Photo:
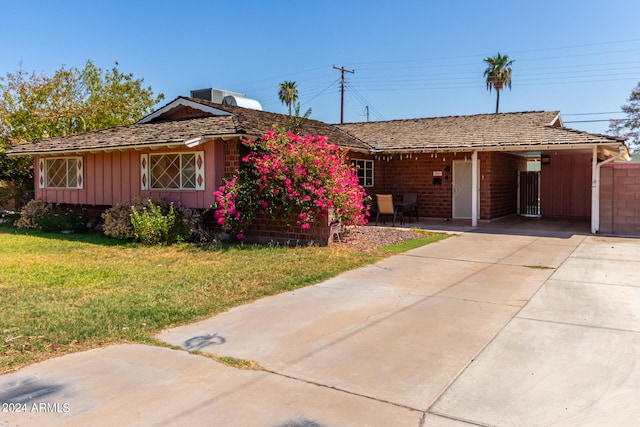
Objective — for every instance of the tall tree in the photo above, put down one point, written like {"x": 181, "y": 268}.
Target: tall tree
{"x": 498, "y": 75}
{"x": 288, "y": 94}
{"x": 629, "y": 127}
{"x": 36, "y": 106}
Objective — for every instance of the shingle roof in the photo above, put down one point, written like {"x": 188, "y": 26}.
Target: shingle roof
{"x": 147, "y": 134}
{"x": 509, "y": 131}
{"x": 256, "y": 122}
{"x": 241, "y": 121}
{"x": 483, "y": 131}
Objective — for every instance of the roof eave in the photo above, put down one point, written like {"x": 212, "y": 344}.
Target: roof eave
{"x": 95, "y": 149}
{"x": 191, "y": 143}
{"x": 499, "y": 148}
{"x": 195, "y": 142}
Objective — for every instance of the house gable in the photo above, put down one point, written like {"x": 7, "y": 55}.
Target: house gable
{"x": 181, "y": 109}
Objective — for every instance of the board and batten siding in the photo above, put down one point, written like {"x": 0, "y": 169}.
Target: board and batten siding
{"x": 565, "y": 185}
{"x": 111, "y": 177}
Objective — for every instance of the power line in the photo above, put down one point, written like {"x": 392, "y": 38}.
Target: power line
{"x": 365, "y": 102}
{"x": 593, "y": 114}
{"x": 480, "y": 55}
{"x": 603, "y": 63}
{"x": 321, "y": 92}
{"x": 364, "y": 113}
{"x": 594, "y": 121}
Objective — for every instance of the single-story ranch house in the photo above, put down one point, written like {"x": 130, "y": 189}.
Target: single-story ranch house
{"x": 479, "y": 167}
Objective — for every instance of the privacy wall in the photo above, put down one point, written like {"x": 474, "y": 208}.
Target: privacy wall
{"x": 620, "y": 199}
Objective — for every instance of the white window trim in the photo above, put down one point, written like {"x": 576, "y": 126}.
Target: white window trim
{"x": 43, "y": 172}
{"x": 366, "y": 161}
{"x": 145, "y": 171}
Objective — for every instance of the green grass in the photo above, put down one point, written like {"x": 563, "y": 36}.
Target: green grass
{"x": 429, "y": 237}
{"x": 66, "y": 293}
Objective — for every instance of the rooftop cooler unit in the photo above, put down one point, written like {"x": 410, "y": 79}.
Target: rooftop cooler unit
{"x": 226, "y": 97}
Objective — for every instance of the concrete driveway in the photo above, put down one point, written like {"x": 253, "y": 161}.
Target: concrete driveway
{"x": 479, "y": 329}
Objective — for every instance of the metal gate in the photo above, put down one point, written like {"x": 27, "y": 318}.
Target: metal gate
{"x": 529, "y": 193}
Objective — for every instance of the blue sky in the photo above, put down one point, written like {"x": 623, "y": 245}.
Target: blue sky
{"x": 411, "y": 58}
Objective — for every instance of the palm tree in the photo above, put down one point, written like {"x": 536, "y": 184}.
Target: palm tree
{"x": 288, "y": 94}
{"x": 498, "y": 74}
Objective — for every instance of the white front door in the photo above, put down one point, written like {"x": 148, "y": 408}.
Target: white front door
{"x": 462, "y": 184}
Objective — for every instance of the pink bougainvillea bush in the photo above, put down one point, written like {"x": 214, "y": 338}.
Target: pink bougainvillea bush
{"x": 285, "y": 174}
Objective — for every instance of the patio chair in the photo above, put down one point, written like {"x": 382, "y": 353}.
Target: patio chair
{"x": 410, "y": 204}
{"x": 386, "y": 207}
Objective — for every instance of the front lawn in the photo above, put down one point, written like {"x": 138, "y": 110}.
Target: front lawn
{"x": 65, "y": 293}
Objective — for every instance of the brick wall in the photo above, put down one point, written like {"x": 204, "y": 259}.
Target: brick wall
{"x": 415, "y": 174}
{"x": 265, "y": 230}
{"x": 231, "y": 159}
{"x": 620, "y": 199}
{"x": 499, "y": 184}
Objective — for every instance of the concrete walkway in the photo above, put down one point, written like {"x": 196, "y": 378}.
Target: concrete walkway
{"x": 485, "y": 329}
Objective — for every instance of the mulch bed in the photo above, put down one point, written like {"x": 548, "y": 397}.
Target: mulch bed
{"x": 371, "y": 237}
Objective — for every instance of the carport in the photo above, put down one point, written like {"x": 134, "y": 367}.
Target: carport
{"x": 486, "y": 167}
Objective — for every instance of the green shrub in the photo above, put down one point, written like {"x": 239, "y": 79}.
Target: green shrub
{"x": 52, "y": 222}
{"x": 286, "y": 175}
{"x": 152, "y": 218}
{"x": 31, "y": 213}
{"x": 152, "y": 226}
{"x": 117, "y": 221}
{"x": 8, "y": 217}
{"x": 63, "y": 220}
{"x": 39, "y": 215}
{"x": 194, "y": 229}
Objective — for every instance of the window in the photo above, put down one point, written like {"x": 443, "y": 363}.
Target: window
{"x": 364, "y": 169}
{"x": 61, "y": 172}
{"x": 175, "y": 171}
{"x": 533, "y": 165}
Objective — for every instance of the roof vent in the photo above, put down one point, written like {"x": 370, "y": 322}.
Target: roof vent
{"x": 226, "y": 97}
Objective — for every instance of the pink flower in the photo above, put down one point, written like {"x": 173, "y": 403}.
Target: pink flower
{"x": 276, "y": 167}
{"x": 240, "y": 236}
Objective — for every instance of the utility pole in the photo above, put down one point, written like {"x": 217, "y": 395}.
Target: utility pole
{"x": 342, "y": 70}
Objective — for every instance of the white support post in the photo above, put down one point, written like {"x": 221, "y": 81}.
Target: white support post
{"x": 475, "y": 185}
{"x": 595, "y": 196}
